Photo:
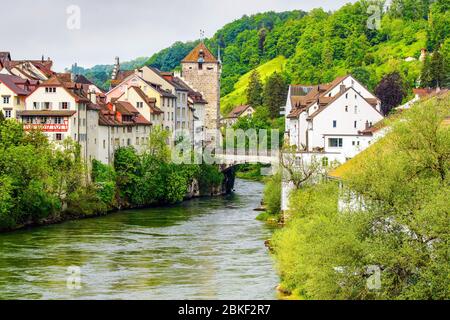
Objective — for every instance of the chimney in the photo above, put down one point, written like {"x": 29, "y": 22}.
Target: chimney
{"x": 367, "y": 124}
{"x": 72, "y": 76}
{"x": 92, "y": 96}
{"x": 342, "y": 88}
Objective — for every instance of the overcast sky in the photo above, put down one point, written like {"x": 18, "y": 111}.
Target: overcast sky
{"x": 128, "y": 29}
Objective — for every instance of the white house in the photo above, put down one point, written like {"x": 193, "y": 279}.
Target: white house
{"x": 330, "y": 122}
{"x": 61, "y": 109}
{"x": 331, "y": 117}
{"x": 236, "y": 113}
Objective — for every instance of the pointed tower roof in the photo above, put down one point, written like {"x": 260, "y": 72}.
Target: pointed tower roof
{"x": 199, "y": 52}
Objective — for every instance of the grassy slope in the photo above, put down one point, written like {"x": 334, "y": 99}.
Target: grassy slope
{"x": 237, "y": 97}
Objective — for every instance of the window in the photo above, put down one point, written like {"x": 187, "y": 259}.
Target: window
{"x": 140, "y": 104}
{"x": 104, "y": 144}
{"x": 8, "y": 114}
{"x": 355, "y": 124}
{"x": 6, "y": 99}
{"x": 47, "y": 105}
{"x": 346, "y": 108}
{"x": 128, "y": 142}
{"x": 137, "y": 141}
{"x": 353, "y": 143}
{"x": 36, "y": 105}
{"x": 334, "y": 123}
{"x": 335, "y": 142}
{"x": 58, "y": 137}
{"x": 58, "y": 120}
{"x": 325, "y": 162}
{"x": 17, "y": 100}
{"x": 50, "y": 90}
{"x": 346, "y": 96}
{"x": 64, "y": 105}
{"x": 129, "y": 129}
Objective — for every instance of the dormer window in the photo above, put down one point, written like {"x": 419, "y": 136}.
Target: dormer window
{"x": 50, "y": 90}
{"x": 201, "y": 59}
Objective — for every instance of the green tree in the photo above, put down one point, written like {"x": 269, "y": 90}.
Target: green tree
{"x": 275, "y": 94}
{"x": 401, "y": 224}
{"x": 255, "y": 90}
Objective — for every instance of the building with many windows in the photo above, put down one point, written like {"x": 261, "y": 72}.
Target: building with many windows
{"x": 13, "y": 91}
{"x": 331, "y": 117}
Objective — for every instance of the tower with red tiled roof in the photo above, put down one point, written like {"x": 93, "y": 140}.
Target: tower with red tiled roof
{"x": 201, "y": 70}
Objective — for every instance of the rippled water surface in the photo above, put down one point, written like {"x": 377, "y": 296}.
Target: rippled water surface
{"x": 201, "y": 249}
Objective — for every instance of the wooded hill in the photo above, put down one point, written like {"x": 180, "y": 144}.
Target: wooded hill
{"x": 317, "y": 46}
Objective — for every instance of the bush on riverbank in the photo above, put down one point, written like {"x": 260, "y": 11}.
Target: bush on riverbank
{"x": 41, "y": 182}
{"x": 38, "y": 181}
{"x": 402, "y": 229}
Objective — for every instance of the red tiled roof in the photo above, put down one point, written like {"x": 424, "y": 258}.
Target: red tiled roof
{"x": 111, "y": 114}
{"x": 237, "y": 111}
{"x": 151, "y": 102}
{"x": 200, "y": 51}
{"x": 73, "y": 88}
{"x": 19, "y": 86}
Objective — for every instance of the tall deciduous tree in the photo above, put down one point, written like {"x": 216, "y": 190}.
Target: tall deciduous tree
{"x": 275, "y": 94}
{"x": 255, "y": 90}
{"x": 390, "y": 91}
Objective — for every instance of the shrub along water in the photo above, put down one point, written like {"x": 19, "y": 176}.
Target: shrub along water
{"x": 41, "y": 183}
{"x": 402, "y": 229}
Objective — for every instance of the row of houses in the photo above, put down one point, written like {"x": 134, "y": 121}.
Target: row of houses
{"x": 67, "y": 105}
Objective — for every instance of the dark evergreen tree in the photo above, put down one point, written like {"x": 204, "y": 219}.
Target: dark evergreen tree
{"x": 426, "y": 77}
{"x": 438, "y": 70}
{"x": 255, "y": 90}
{"x": 435, "y": 71}
{"x": 390, "y": 91}
{"x": 275, "y": 94}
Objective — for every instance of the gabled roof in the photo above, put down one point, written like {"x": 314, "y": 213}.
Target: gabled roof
{"x": 72, "y": 88}
{"x": 110, "y": 117}
{"x": 200, "y": 51}
{"x": 18, "y": 85}
{"x": 238, "y": 111}
{"x": 151, "y": 102}
{"x": 303, "y": 97}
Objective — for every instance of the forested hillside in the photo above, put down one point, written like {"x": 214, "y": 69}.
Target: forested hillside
{"x": 319, "y": 45}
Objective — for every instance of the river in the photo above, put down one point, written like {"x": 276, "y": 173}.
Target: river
{"x": 209, "y": 248}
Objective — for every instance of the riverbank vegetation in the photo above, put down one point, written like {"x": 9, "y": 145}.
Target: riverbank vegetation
{"x": 43, "y": 183}
{"x": 384, "y": 234}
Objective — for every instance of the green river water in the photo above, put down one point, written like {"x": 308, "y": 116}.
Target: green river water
{"x": 210, "y": 248}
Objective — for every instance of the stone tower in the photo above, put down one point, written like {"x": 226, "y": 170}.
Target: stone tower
{"x": 201, "y": 70}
